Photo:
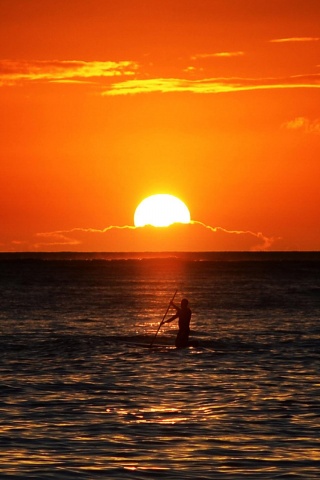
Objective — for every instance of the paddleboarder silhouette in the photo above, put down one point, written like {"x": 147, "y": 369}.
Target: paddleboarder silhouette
{"x": 184, "y": 315}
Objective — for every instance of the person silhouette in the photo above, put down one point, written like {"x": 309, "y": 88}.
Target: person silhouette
{"x": 184, "y": 315}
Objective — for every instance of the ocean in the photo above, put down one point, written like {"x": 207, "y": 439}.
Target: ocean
{"x": 83, "y": 396}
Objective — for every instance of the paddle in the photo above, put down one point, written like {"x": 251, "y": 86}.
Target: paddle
{"x": 164, "y": 316}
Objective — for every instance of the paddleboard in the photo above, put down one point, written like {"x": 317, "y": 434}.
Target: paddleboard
{"x": 166, "y": 347}
{"x": 154, "y": 346}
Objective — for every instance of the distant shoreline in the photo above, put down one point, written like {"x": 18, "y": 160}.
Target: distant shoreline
{"x": 186, "y": 256}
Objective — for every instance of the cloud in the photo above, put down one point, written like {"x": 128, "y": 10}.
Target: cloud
{"x": 115, "y": 78}
{"x": 65, "y": 237}
{"x": 211, "y": 85}
{"x": 303, "y": 124}
{"x": 177, "y": 237}
{"x": 264, "y": 242}
{"x": 56, "y": 239}
{"x": 13, "y": 72}
{"x": 295, "y": 39}
{"x": 217, "y": 54}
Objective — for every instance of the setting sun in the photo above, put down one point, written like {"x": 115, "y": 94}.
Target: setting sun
{"x": 161, "y": 210}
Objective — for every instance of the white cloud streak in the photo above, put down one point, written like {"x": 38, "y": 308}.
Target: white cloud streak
{"x": 115, "y": 78}
{"x": 211, "y": 85}
{"x": 73, "y": 71}
{"x": 62, "y": 237}
{"x": 266, "y": 242}
{"x": 295, "y": 40}
{"x": 303, "y": 124}
{"x": 200, "y": 56}
{"x": 68, "y": 237}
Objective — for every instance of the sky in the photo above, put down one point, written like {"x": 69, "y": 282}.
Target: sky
{"x": 104, "y": 103}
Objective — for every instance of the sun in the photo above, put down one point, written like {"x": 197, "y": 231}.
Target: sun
{"x": 161, "y": 210}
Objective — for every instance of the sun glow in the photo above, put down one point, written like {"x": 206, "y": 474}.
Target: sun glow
{"x": 161, "y": 210}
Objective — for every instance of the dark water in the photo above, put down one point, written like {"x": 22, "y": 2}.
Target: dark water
{"x": 81, "y": 397}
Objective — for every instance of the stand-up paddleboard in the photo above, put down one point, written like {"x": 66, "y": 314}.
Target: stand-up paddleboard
{"x": 154, "y": 346}
{"x": 193, "y": 345}
{"x": 158, "y": 348}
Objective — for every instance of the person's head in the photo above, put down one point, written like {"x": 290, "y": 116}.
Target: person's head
{"x": 184, "y": 303}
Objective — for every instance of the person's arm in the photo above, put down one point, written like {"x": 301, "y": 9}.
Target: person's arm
{"x": 174, "y": 306}
{"x": 171, "y": 318}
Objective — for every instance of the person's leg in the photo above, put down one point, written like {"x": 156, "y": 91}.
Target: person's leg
{"x": 182, "y": 340}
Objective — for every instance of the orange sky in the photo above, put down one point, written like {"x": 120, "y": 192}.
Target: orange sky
{"x": 104, "y": 103}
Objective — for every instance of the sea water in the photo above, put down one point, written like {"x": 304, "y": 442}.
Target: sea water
{"x": 83, "y": 396}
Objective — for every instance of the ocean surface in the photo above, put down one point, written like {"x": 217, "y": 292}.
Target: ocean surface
{"x": 82, "y": 395}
